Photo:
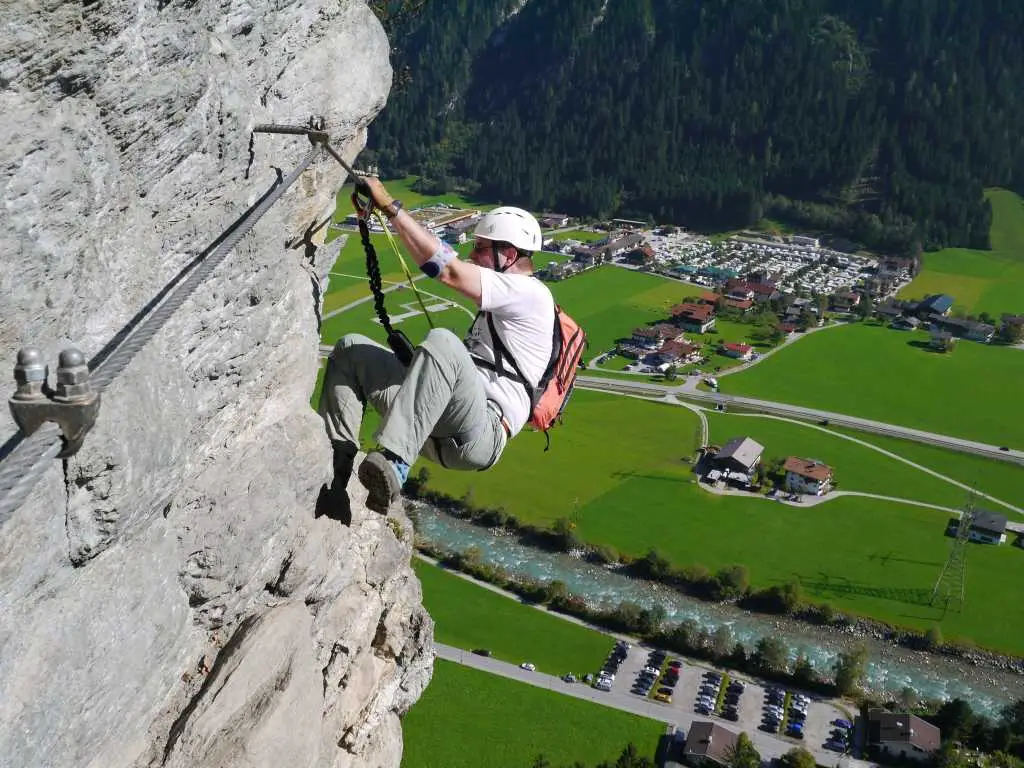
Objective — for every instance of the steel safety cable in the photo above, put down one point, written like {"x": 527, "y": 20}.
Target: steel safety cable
{"x": 27, "y": 459}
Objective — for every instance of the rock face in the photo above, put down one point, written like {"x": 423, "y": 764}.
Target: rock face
{"x": 167, "y": 596}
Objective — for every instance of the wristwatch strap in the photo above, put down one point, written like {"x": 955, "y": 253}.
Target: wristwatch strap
{"x": 393, "y": 208}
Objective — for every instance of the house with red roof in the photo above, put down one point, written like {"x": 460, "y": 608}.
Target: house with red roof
{"x": 739, "y": 351}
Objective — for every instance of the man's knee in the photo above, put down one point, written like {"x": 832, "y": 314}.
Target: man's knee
{"x": 350, "y": 340}
{"x": 441, "y": 341}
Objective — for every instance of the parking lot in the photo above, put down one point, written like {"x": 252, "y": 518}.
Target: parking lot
{"x": 751, "y": 705}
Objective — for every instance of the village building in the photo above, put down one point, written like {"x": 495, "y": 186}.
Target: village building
{"x": 807, "y": 476}
{"x": 739, "y": 351}
{"x": 987, "y": 527}
{"x": 741, "y": 454}
{"x": 902, "y": 735}
{"x": 696, "y": 318}
{"x": 709, "y": 744}
{"x": 935, "y": 304}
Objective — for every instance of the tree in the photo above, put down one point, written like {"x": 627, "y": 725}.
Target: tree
{"x": 771, "y": 654}
{"x": 743, "y": 755}
{"x": 1012, "y": 716}
{"x": 732, "y": 581}
{"x": 933, "y": 637}
{"x": 798, "y": 757}
{"x": 955, "y": 719}
{"x": 908, "y": 697}
{"x": 563, "y": 531}
{"x": 1011, "y": 333}
{"x": 671, "y": 373}
{"x": 850, "y": 668}
{"x": 803, "y": 672}
{"x": 540, "y": 762}
{"x": 721, "y": 641}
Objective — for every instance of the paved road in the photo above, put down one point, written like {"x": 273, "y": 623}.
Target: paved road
{"x": 689, "y": 391}
{"x": 619, "y": 698}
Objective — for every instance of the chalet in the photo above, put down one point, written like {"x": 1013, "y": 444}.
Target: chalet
{"x": 673, "y": 352}
{"x": 709, "y": 744}
{"x": 743, "y": 305}
{"x": 935, "y": 304}
{"x": 739, "y": 291}
{"x": 844, "y": 301}
{"x": 963, "y": 329}
{"x": 696, "y": 318}
{"x": 902, "y": 735}
{"x": 741, "y": 454}
{"x": 1014, "y": 322}
{"x": 641, "y": 257}
{"x": 668, "y": 332}
{"x": 987, "y": 527}
{"x": 888, "y": 311}
{"x": 905, "y": 324}
{"x": 646, "y": 338}
{"x": 807, "y": 476}
{"x": 739, "y": 351}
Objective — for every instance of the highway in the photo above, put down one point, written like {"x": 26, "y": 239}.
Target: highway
{"x": 689, "y": 391}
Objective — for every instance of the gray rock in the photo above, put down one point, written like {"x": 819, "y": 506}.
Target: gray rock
{"x": 167, "y": 596}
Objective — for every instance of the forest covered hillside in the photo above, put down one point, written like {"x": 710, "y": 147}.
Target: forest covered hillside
{"x": 879, "y": 119}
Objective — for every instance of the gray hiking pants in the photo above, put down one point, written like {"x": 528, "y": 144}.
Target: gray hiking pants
{"x": 436, "y": 407}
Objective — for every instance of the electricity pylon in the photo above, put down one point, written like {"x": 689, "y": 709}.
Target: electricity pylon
{"x": 950, "y": 587}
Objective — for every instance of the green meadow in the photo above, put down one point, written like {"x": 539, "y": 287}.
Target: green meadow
{"x": 856, "y": 467}
{"x": 877, "y": 373}
{"x": 468, "y": 616}
{"x": 618, "y": 470}
{"x": 981, "y": 281}
{"x": 467, "y": 718}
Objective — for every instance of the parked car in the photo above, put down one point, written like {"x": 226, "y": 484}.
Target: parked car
{"x": 529, "y": 667}
{"x": 569, "y": 677}
{"x": 842, "y": 724}
{"x": 482, "y": 652}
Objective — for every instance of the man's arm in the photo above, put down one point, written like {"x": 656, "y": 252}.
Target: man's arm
{"x": 422, "y": 244}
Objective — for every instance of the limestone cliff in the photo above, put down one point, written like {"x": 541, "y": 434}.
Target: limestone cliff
{"x": 167, "y": 596}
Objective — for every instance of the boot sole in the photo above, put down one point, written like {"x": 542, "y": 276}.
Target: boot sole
{"x": 378, "y": 478}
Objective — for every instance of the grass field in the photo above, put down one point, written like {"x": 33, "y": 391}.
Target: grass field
{"x": 469, "y": 616}
{"x": 467, "y": 718}
{"x": 617, "y": 470}
{"x": 1001, "y": 479}
{"x": 877, "y": 373}
{"x": 857, "y": 468}
{"x": 981, "y": 281}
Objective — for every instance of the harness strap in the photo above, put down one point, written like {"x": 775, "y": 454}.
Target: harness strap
{"x": 500, "y": 352}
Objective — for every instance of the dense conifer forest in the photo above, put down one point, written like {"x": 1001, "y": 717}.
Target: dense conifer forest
{"x": 879, "y": 119}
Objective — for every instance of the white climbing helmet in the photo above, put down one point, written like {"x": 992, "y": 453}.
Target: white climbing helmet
{"x": 511, "y": 225}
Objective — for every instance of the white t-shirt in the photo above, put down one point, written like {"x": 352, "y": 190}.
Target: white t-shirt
{"x": 524, "y": 315}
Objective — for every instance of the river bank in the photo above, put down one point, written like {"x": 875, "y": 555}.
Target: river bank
{"x": 987, "y": 680}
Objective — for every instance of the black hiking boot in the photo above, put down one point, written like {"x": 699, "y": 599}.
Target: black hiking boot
{"x": 333, "y": 501}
